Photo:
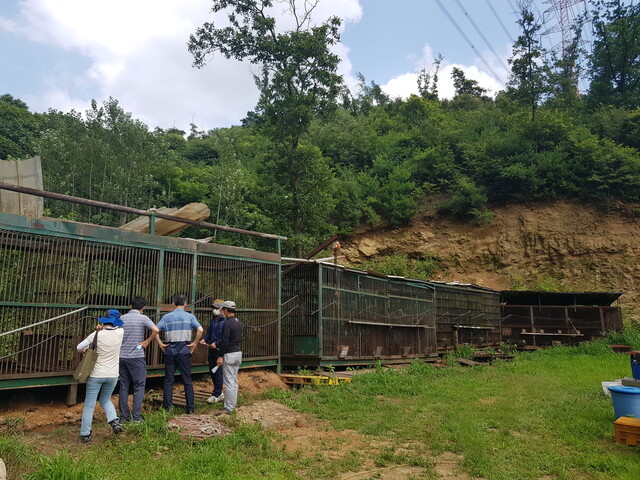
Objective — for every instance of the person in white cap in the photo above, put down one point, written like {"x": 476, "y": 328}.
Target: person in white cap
{"x": 211, "y": 340}
{"x": 230, "y": 356}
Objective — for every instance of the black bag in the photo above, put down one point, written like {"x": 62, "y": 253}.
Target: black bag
{"x": 85, "y": 367}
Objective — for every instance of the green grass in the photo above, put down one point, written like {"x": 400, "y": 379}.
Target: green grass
{"x": 542, "y": 415}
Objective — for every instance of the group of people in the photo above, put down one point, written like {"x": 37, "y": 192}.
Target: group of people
{"x": 120, "y": 345}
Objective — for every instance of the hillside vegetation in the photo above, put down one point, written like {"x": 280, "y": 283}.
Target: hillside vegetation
{"x": 314, "y": 158}
{"x": 550, "y": 246}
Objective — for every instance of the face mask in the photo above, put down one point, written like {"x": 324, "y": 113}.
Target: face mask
{"x": 216, "y": 311}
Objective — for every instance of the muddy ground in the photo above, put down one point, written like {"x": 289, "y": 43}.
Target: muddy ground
{"x": 46, "y": 423}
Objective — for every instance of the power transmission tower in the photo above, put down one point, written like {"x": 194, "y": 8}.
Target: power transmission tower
{"x": 566, "y": 21}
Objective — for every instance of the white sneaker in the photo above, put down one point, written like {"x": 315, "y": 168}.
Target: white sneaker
{"x": 220, "y": 398}
{"x": 212, "y": 399}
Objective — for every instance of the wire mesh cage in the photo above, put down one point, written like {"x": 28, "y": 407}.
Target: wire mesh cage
{"x": 57, "y": 278}
{"x": 336, "y": 315}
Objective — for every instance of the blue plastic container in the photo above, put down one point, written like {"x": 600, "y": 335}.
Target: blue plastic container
{"x": 635, "y": 366}
{"x": 626, "y": 401}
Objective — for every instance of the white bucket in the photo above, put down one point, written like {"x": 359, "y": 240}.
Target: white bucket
{"x": 606, "y": 385}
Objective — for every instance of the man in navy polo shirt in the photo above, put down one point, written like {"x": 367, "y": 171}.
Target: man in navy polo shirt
{"x": 230, "y": 356}
{"x": 176, "y": 327}
{"x": 133, "y": 364}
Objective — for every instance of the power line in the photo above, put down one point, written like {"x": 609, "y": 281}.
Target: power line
{"x": 461, "y": 32}
{"x": 466, "y": 14}
{"x": 495, "y": 14}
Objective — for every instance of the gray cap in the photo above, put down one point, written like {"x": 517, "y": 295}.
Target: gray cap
{"x": 229, "y": 304}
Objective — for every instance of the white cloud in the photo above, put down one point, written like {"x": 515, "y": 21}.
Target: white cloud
{"x": 402, "y": 86}
{"x": 137, "y": 54}
{"x": 406, "y": 84}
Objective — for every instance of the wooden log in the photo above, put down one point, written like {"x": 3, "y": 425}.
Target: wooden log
{"x": 191, "y": 211}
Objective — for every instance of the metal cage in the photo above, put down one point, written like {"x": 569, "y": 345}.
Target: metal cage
{"x": 57, "y": 277}
{"x": 336, "y": 316}
{"x": 466, "y": 315}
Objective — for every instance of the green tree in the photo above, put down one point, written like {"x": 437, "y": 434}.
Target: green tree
{"x": 106, "y": 156}
{"x": 304, "y": 217}
{"x": 19, "y": 128}
{"x": 564, "y": 73}
{"x": 527, "y": 82}
{"x": 615, "y": 58}
{"x": 428, "y": 81}
{"x": 468, "y": 202}
{"x": 366, "y": 97}
{"x": 298, "y": 81}
{"x": 464, "y": 85}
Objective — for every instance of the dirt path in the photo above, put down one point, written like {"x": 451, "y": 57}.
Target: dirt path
{"x": 46, "y": 424}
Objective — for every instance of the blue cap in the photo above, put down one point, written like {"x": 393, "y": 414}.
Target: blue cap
{"x": 113, "y": 317}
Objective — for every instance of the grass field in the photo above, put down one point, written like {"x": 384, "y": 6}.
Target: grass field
{"x": 542, "y": 415}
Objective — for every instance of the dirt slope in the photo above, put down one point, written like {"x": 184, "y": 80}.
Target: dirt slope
{"x": 562, "y": 246}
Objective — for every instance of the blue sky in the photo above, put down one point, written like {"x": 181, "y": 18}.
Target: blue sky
{"x": 61, "y": 54}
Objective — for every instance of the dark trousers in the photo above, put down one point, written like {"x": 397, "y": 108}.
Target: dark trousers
{"x": 217, "y": 378}
{"x": 183, "y": 364}
{"x": 133, "y": 373}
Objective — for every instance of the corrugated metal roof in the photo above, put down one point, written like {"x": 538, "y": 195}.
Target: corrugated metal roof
{"x": 512, "y": 297}
{"x": 289, "y": 261}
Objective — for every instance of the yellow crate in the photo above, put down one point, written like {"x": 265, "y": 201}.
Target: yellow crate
{"x": 313, "y": 380}
{"x": 628, "y": 430}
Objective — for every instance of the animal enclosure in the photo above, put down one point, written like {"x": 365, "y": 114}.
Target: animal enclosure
{"x": 336, "y": 316}
{"x": 57, "y": 277}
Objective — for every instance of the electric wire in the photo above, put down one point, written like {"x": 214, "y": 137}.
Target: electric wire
{"x": 461, "y": 32}
{"x": 495, "y": 14}
{"x": 484, "y": 38}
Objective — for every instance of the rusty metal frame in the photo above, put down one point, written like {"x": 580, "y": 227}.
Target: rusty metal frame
{"x": 49, "y": 267}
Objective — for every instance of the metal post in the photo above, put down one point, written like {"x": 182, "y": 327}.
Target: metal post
{"x": 279, "y": 313}
{"x": 533, "y": 327}
{"x": 320, "y": 310}
{"x": 152, "y": 221}
{"x": 119, "y": 208}
{"x": 194, "y": 278}
{"x": 160, "y": 288}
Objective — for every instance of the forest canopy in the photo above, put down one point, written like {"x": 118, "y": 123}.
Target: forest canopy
{"x": 357, "y": 158}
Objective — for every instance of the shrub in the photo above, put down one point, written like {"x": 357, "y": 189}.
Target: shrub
{"x": 401, "y": 265}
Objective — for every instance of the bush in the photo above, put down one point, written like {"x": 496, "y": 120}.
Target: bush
{"x": 468, "y": 202}
{"x": 401, "y": 265}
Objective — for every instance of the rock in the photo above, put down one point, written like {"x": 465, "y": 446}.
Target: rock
{"x": 3, "y": 470}
{"x": 369, "y": 247}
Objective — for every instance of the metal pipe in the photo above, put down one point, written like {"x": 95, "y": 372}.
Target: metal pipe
{"x": 135, "y": 211}
{"x": 42, "y": 322}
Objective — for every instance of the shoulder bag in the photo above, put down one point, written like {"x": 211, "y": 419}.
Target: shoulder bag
{"x": 85, "y": 367}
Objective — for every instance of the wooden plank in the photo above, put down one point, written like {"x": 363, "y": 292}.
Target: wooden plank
{"x": 313, "y": 380}
{"x": 467, "y": 363}
{"x": 630, "y": 382}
